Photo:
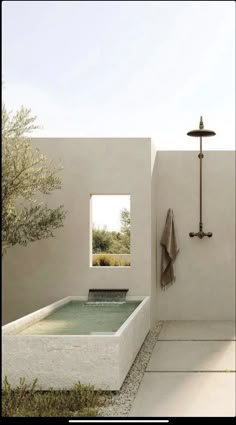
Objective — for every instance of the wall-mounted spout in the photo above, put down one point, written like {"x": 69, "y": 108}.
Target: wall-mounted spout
{"x": 201, "y": 132}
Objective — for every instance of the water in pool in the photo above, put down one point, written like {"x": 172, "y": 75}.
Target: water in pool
{"x": 82, "y": 318}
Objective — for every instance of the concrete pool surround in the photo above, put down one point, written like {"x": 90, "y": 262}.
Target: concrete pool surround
{"x": 59, "y": 361}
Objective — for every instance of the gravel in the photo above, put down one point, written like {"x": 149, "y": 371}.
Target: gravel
{"x": 120, "y": 402}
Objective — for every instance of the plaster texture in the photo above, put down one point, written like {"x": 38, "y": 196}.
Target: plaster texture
{"x": 205, "y": 268}
{"x": 62, "y": 265}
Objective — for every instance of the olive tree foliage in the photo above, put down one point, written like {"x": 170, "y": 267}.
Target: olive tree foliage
{"x": 25, "y": 174}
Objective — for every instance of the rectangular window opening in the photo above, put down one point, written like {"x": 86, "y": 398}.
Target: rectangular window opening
{"x": 110, "y": 225}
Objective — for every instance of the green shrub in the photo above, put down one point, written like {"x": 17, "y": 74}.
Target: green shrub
{"x": 125, "y": 263}
{"x": 29, "y": 400}
{"x": 106, "y": 260}
{"x": 102, "y": 240}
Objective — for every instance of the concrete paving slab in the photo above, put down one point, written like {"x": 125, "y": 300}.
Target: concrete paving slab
{"x": 198, "y": 330}
{"x": 193, "y": 356}
{"x": 188, "y": 394}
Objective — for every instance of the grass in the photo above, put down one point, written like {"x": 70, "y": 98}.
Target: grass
{"x": 28, "y": 400}
{"x": 104, "y": 260}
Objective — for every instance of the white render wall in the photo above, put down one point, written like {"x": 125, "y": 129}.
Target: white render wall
{"x": 205, "y": 269}
{"x": 48, "y": 270}
{"x": 154, "y": 234}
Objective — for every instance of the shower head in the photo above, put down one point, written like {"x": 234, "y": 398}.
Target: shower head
{"x": 201, "y": 131}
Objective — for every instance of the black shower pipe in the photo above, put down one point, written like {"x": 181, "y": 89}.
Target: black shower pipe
{"x": 201, "y": 132}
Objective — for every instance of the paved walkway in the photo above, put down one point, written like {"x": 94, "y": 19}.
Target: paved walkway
{"x": 191, "y": 371}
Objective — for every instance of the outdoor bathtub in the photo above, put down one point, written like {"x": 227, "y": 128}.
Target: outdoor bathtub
{"x": 101, "y": 359}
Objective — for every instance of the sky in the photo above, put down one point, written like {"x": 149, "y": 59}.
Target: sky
{"x": 106, "y": 210}
{"x": 123, "y": 69}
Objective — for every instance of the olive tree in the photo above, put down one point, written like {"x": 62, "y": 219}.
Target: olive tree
{"x": 25, "y": 173}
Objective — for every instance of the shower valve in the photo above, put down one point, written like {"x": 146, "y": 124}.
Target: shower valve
{"x": 200, "y": 234}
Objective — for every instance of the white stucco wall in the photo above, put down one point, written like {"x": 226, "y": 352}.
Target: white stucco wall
{"x": 154, "y": 168}
{"x": 48, "y": 270}
{"x": 205, "y": 269}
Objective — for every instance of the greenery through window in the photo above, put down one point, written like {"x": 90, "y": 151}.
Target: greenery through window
{"x": 110, "y": 230}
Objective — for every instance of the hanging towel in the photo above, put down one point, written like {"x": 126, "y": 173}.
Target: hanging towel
{"x": 169, "y": 251}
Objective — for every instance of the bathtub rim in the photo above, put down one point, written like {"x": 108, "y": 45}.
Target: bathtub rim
{"x": 13, "y": 328}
